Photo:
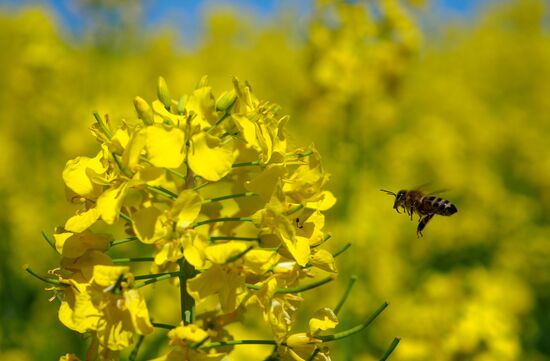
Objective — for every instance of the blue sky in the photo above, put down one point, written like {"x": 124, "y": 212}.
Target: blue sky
{"x": 186, "y": 15}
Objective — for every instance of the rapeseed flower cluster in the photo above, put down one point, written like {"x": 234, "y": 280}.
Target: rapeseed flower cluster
{"x": 230, "y": 213}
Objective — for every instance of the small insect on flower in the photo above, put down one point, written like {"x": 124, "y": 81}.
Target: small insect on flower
{"x": 425, "y": 205}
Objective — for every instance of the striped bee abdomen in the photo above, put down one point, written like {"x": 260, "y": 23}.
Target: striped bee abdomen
{"x": 436, "y": 205}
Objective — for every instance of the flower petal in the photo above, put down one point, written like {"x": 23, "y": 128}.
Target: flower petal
{"x": 323, "y": 319}
{"x": 76, "y": 176}
{"x": 82, "y": 221}
{"x": 209, "y": 158}
{"x": 206, "y": 283}
{"x": 147, "y": 224}
{"x": 186, "y": 208}
{"x": 105, "y": 276}
{"x": 165, "y": 146}
{"x": 324, "y": 260}
{"x": 221, "y": 253}
{"x": 110, "y": 202}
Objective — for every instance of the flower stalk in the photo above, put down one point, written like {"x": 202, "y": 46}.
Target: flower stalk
{"x": 187, "y": 302}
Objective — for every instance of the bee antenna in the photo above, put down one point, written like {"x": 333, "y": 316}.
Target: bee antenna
{"x": 390, "y": 193}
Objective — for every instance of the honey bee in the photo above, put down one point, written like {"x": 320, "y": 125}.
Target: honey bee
{"x": 425, "y": 205}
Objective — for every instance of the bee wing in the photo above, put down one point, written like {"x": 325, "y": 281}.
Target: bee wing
{"x": 423, "y": 186}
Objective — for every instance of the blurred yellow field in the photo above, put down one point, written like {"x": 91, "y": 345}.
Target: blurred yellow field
{"x": 387, "y": 94}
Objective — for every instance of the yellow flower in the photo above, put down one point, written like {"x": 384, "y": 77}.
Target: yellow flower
{"x": 279, "y": 314}
{"x": 189, "y": 244}
{"x": 273, "y": 221}
{"x": 324, "y": 260}
{"x": 227, "y": 213}
{"x": 259, "y": 261}
{"x": 322, "y": 320}
{"x": 106, "y": 306}
{"x": 78, "y": 175}
{"x": 182, "y": 338}
{"x": 186, "y": 209}
{"x": 259, "y": 126}
{"x": 227, "y": 284}
{"x": 305, "y": 185}
{"x": 202, "y": 104}
{"x": 73, "y": 245}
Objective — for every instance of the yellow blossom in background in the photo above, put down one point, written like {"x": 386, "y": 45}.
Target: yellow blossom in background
{"x": 393, "y": 94}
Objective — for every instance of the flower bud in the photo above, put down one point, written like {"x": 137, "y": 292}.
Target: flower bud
{"x": 182, "y": 103}
{"x": 163, "y": 93}
{"x": 203, "y": 82}
{"x": 300, "y": 339}
{"x": 226, "y": 100}
{"x": 144, "y": 110}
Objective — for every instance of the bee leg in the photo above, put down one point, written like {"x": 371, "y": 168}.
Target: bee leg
{"x": 411, "y": 212}
{"x": 422, "y": 224}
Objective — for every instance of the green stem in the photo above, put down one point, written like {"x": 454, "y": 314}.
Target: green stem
{"x": 345, "y": 295}
{"x": 176, "y": 173}
{"x": 230, "y": 196}
{"x": 327, "y": 237}
{"x": 238, "y": 342}
{"x": 126, "y": 217}
{"x": 44, "y": 279}
{"x": 294, "y": 210}
{"x": 197, "y": 188}
{"x": 239, "y": 255}
{"x": 187, "y": 271}
{"x": 341, "y": 250}
{"x": 157, "y": 278}
{"x": 200, "y": 343}
{"x": 313, "y": 354}
{"x": 326, "y": 338}
{"x": 121, "y": 167}
{"x": 390, "y": 349}
{"x": 219, "y": 121}
{"x": 133, "y": 259}
{"x": 296, "y": 289}
{"x": 163, "y": 192}
{"x": 225, "y": 219}
{"x": 355, "y": 329}
{"x": 156, "y": 275}
{"x": 163, "y": 325}
{"x": 102, "y": 125}
{"x": 246, "y": 164}
{"x": 50, "y": 241}
{"x": 124, "y": 240}
{"x": 133, "y": 354}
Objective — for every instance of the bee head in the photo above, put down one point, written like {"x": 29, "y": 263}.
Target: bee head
{"x": 399, "y": 198}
